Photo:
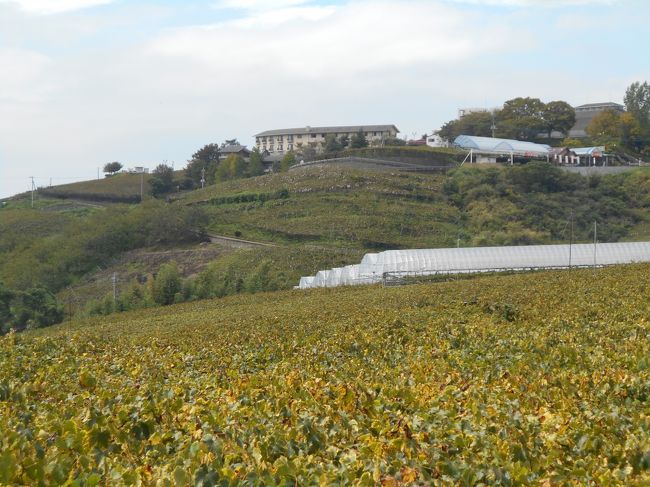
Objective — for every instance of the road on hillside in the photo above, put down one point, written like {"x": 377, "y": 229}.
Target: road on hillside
{"x": 237, "y": 243}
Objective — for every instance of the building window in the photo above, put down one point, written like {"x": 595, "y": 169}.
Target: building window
{"x": 375, "y": 134}
{"x": 313, "y": 136}
{"x": 290, "y": 147}
{"x": 299, "y": 136}
{"x": 280, "y": 147}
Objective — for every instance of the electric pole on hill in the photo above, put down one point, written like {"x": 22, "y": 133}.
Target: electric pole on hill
{"x": 202, "y": 177}
{"x": 32, "y": 178}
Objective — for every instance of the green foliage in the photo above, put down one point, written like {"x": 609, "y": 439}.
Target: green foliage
{"x": 521, "y": 118}
{"x": 513, "y": 380}
{"x": 287, "y": 161}
{"x": 83, "y": 243}
{"x": 34, "y": 308}
{"x": 558, "y": 116}
{"x": 119, "y": 188}
{"x": 473, "y": 123}
{"x": 255, "y": 164}
{"x": 358, "y": 140}
{"x": 332, "y": 144}
{"x": 637, "y": 102}
{"x": 206, "y": 158}
{"x": 232, "y": 167}
{"x": 166, "y": 284}
{"x": 112, "y": 167}
{"x": 162, "y": 181}
{"x": 248, "y": 197}
{"x": 394, "y": 142}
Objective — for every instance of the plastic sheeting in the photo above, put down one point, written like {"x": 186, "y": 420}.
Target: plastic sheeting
{"x": 373, "y": 266}
{"x": 501, "y": 146}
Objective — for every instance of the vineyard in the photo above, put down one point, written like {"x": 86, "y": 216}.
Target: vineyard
{"x": 539, "y": 379}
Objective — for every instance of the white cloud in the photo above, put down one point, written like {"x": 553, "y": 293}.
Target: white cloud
{"x": 256, "y": 5}
{"x": 534, "y": 3}
{"x": 310, "y": 42}
{"x": 54, "y": 6}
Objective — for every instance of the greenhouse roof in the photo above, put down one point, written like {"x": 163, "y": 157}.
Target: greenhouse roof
{"x": 501, "y": 146}
{"x": 373, "y": 267}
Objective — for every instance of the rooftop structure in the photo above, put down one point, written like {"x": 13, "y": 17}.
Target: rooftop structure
{"x": 297, "y": 139}
{"x": 376, "y": 267}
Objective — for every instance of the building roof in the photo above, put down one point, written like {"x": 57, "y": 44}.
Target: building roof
{"x": 233, "y": 149}
{"x": 328, "y": 130}
{"x": 501, "y": 146}
{"x": 600, "y": 106}
{"x": 589, "y": 151}
{"x": 477, "y": 259}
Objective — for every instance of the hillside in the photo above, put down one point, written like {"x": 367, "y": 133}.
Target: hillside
{"x": 317, "y": 217}
{"x": 521, "y": 380}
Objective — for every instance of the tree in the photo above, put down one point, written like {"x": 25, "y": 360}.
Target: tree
{"x": 521, "y": 118}
{"x": 558, "y": 116}
{"x": 35, "y": 308}
{"x": 288, "y": 160}
{"x": 359, "y": 140}
{"x": 162, "y": 180}
{"x": 112, "y": 167}
{"x": 394, "y": 142}
{"x": 256, "y": 163}
{"x": 332, "y": 144}
{"x": 6, "y": 295}
{"x": 207, "y": 157}
{"x": 232, "y": 167}
{"x": 474, "y": 123}
{"x": 166, "y": 284}
{"x": 604, "y": 128}
{"x": 637, "y": 102}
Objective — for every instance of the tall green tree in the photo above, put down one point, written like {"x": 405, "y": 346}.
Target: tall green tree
{"x": 359, "y": 140}
{"x": 166, "y": 284}
{"x": 637, "y": 102}
{"x": 521, "y": 118}
{"x": 558, "y": 116}
{"x": 288, "y": 160}
{"x": 474, "y": 123}
{"x": 256, "y": 163}
{"x": 207, "y": 157}
{"x": 162, "y": 180}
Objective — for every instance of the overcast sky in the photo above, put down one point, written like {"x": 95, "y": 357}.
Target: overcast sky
{"x": 85, "y": 82}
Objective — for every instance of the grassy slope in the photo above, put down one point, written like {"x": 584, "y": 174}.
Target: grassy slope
{"x": 333, "y": 215}
{"x": 120, "y": 185}
{"x": 521, "y": 379}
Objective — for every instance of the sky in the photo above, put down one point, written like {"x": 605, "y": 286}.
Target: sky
{"x": 86, "y": 82}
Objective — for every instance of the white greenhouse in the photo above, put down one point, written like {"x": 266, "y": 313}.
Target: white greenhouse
{"x": 377, "y": 267}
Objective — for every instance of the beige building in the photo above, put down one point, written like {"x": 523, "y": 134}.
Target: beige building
{"x": 296, "y": 139}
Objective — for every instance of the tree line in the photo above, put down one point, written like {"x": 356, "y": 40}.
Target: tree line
{"x": 530, "y": 119}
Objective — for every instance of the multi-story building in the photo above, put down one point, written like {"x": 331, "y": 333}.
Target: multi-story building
{"x": 586, "y": 113}
{"x": 296, "y": 139}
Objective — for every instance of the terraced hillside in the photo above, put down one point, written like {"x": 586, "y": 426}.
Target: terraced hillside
{"x": 317, "y": 217}
{"x": 537, "y": 379}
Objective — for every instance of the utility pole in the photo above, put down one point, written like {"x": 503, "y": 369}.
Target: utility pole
{"x": 494, "y": 126}
{"x": 114, "y": 287}
{"x": 141, "y": 186}
{"x": 202, "y": 177}
{"x": 571, "y": 240}
{"x": 32, "y": 178}
{"x": 595, "y": 242}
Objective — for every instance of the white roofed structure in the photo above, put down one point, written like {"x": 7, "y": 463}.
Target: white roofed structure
{"x": 421, "y": 262}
